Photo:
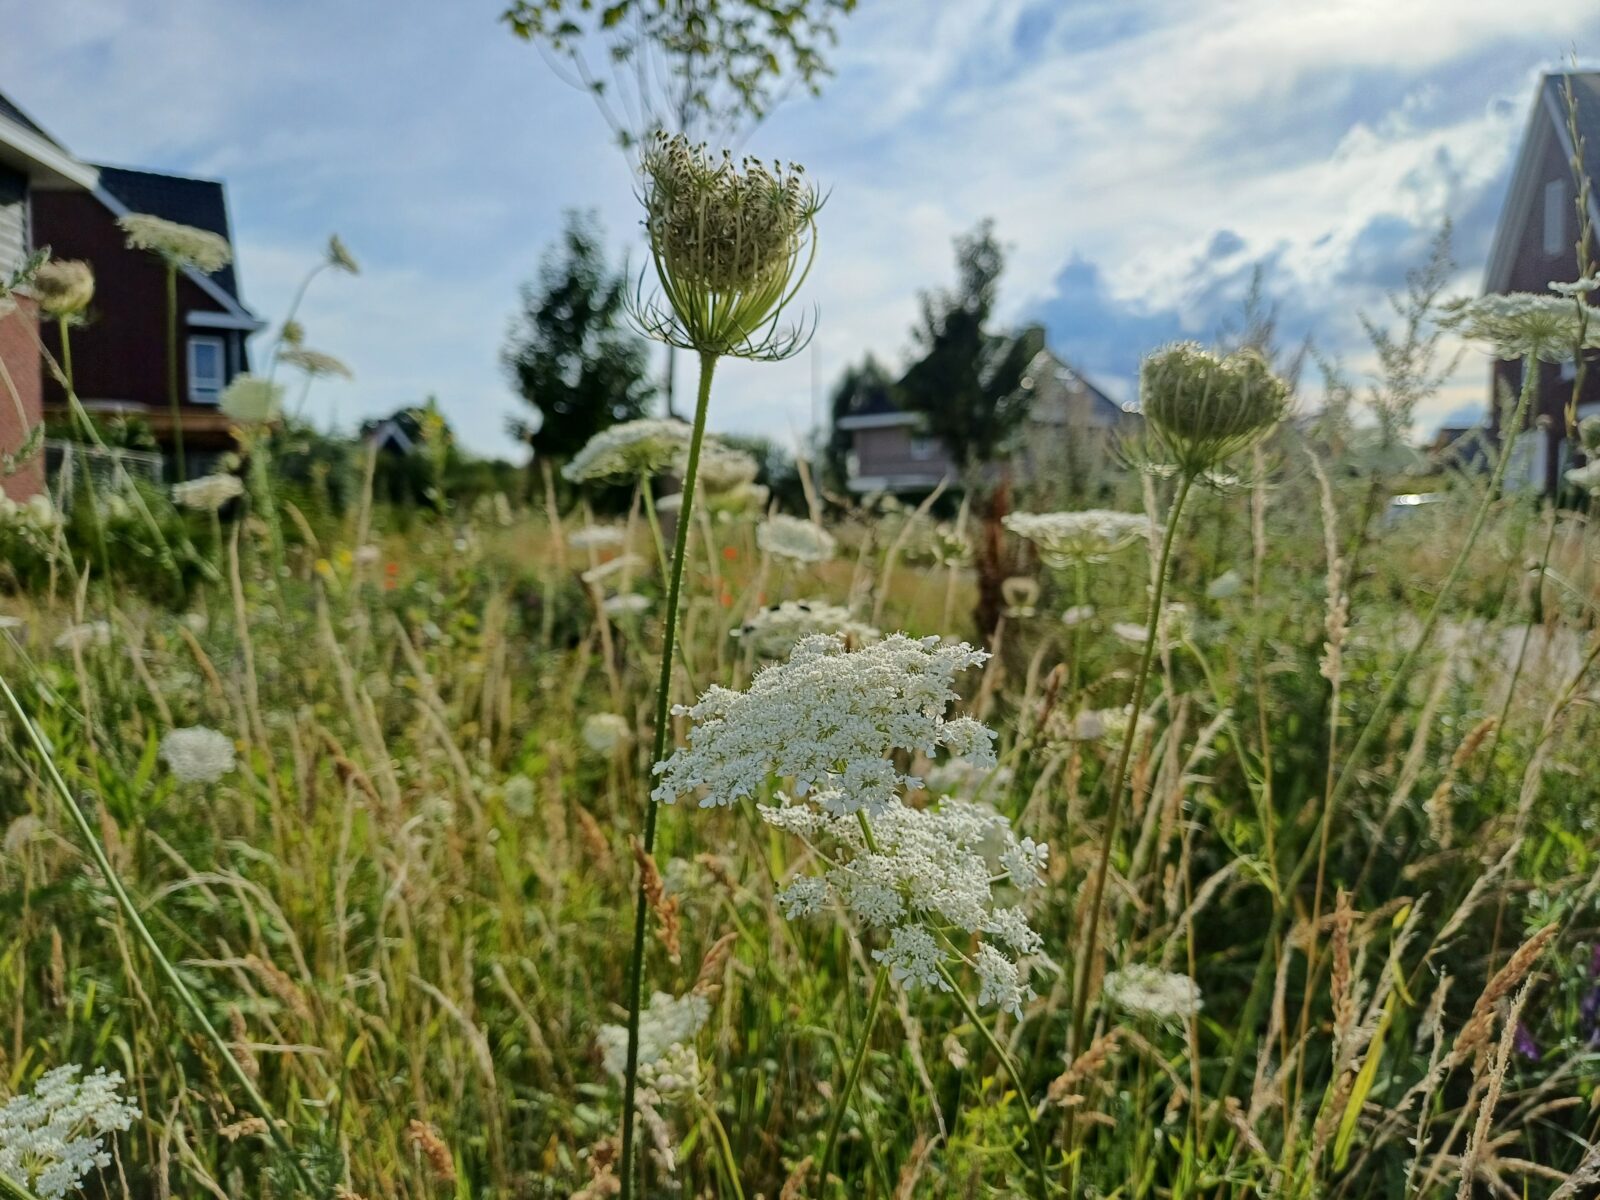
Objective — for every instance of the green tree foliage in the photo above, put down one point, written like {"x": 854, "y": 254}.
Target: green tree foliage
{"x": 967, "y": 384}
{"x": 567, "y": 354}
{"x": 709, "y": 68}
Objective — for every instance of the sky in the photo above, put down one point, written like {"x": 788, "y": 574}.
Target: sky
{"x": 1141, "y": 159}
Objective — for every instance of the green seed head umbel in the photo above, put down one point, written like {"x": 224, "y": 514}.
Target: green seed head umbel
{"x": 1204, "y": 408}
{"x": 730, "y": 245}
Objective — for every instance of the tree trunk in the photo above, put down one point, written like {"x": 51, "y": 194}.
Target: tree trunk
{"x": 991, "y": 558}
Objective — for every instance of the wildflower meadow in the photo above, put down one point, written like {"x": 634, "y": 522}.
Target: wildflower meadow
{"x": 649, "y": 828}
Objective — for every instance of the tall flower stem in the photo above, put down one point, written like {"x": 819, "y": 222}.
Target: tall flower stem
{"x": 130, "y": 911}
{"x": 663, "y": 734}
{"x": 880, "y": 986}
{"x": 13, "y": 1190}
{"x": 1007, "y": 1064}
{"x": 1089, "y": 952}
{"x": 64, "y": 327}
{"x": 172, "y": 370}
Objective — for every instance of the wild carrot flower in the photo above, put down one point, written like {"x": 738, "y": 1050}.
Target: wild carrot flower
{"x": 722, "y": 468}
{"x": 596, "y": 537}
{"x": 52, "y": 1138}
{"x": 1090, "y": 536}
{"x": 208, "y": 493}
{"x": 606, "y": 733}
{"x": 799, "y": 541}
{"x": 728, "y": 243}
{"x": 828, "y": 719}
{"x": 612, "y": 566}
{"x": 1204, "y": 408}
{"x": 315, "y": 363}
{"x": 63, "y": 287}
{"x": 625, "y": 604}
{"x": 668, "y": 1022}
{"x": 1526, "y": 324}
{"x": 339, "y": 256}
{"x": 773, "y": 632}
{"x": 178, "y": 245}
{"x": 197, "y": 754}
{"x": 626, "y": 451}
{"x": 1152, "y": 993}
{"x": 251, "y": 400}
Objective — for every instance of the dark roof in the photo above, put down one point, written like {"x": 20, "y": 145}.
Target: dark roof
{"x": 201, "y": 203}
{"x": 16, "y": 116}
{"x": 1586, "y": 96}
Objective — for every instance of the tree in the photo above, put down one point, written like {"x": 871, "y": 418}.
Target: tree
{"x": 969, "y": 386}
{"x": 567, "y": 354}
{"x": 968, "y": 383}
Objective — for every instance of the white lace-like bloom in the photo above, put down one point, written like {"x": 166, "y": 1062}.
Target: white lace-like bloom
{"x": 181, "y": 245}
{"x": 914, "y": 959}
{"x": 1077, "y": 615}
{"x": 63, "y": 287}
{"x": 828, "y": 719}
{"x": 52, "y": 1138}
{"x": 1000, "y": 981}
{"x": 772, "y": 632}
{"x": 251, "y": 401}
{"x": 596, "y": 537}
{"x": 1064, "y": 538}
{"x": 208, "y": 493}
{"x": 924, "y": 870}
{"x": 957, "y": 777}
{"x": 721, "y": 467}
{"x": 794, "y": 539}
{"x": 625, "y": 604}
{"x": 1098, "y": 724}
{"x": 606, "y": 733}
{"x": 629, "y": 450}
{"x": 1152, "y": 993}
{"x": 1586, "y": 477}
{"x": 35, "y": 513}
{"x": 667, "y": 1022}
{"x": 81, "y": 637}
{"x": 614, "y": 566}
{"x": 315, "y": 363}
{"x": 198, "y": 754}
{"x": 1527, "y": 325}
{"x": 1129, "y": 631}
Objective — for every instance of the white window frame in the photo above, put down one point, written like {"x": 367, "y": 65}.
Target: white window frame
{"x": 1555, "y": 217}
{"x": 197, "y": 396}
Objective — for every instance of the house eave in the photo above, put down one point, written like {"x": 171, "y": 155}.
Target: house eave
{"x": 47, "y": 166}
{"x": 878, "y": 421}
{"x": 201, "y": 319}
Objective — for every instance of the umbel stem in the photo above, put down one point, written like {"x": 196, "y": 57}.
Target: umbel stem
{"x": 172, "y": 371}
{"x": 663, "y": 734}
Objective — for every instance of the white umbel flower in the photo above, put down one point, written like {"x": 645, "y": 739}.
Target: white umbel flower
{"x": 52, "y": 1138}
{"x": 666, "y": 1023}
{"x": 208, "y": 493}
{"x": 596, "y": 537}
{"x": 1152, "y": 993}
{"x": 180, "y": 245}
{"x": 799, "y": 541}
{"x": 629, "y": 450}
{"x": 198, "y": 754}
{"x": 625, "y": 604}
{"x": 914, "y": 959}
{"x": 773, "y": 632}
{"x": 606, "y": 733}
{"x": 1093, "y": 535}
{"x": 828, "y": 719}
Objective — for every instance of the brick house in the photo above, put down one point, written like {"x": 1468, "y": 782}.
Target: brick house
{"x": 1067, "y": 433}
{"x": 120, "y": 352}
{"x": 1535, "y": 244}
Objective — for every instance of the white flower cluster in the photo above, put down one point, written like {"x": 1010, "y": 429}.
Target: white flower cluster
{"x": 629, "y": 450}
{"x": 828, "y": 719}
{"x": 606, "y": 733}
{"x": 36, "y": 512}
{"x": 625, "y": 604}
{"x": 922, "y": 872}
{"x": 1153, "y": 994}
{"x": 1065, "y": 538}
{"x": 721, "y": 467}
{"x": 794, "y": 539}
{"x": 51, "y": 1139}
{"x": 1108, "y": 725}
{"x": 596, "y": 537}
{"x": 197, "y": 754}
{"x": 251, "y": 400}
{"x": 1527, "y": 324}
{"x": 182, "y": 245}
{"x": 772, "y": 632}
{"x": 208, "y": 493}
{"x": 667, "y": 1026}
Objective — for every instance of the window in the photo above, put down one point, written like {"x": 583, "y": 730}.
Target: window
{"x": 923, "y": 447}
{"x": 208, "y": 369}
{"x": 1555, "y": 217}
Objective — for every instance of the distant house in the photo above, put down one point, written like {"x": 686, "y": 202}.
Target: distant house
{"x": 120, "y": 353}
{"x": 1534, "y": 245}
{"x": 1070, "y": 425}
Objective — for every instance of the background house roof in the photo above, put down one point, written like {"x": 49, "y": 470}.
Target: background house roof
{"x": 16, "y": 116}
{"x": 201, "y": 203}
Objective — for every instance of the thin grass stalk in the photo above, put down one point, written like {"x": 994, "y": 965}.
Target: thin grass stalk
{"x": 663, "y": 733}
{"x": 880, "y": 986}
{"x": 172, "y": 371}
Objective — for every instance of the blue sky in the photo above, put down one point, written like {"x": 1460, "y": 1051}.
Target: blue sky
{"x": 1140, "y": 159}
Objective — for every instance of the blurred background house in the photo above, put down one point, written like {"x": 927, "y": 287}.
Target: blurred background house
{"x": 50, "y": 198}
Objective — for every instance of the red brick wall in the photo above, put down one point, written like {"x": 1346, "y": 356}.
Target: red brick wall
{"x": 19, "y": 350}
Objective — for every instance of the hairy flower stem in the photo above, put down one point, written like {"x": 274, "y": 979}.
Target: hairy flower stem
{"x": 172, "y": 370}
{"x": 1089, "y": 952}
{"x": 64, "y": 328}
{"x": 1353, "y": 758}
{"x": 1009, "y": 1066}
{"x": 663, "y": 733}
{"x": 880, "y": 986}
{"x": 130, "y": 911}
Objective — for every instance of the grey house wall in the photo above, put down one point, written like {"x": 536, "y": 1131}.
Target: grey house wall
{"x": 899, "y": 455}
{"x": 13, "y": 220}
